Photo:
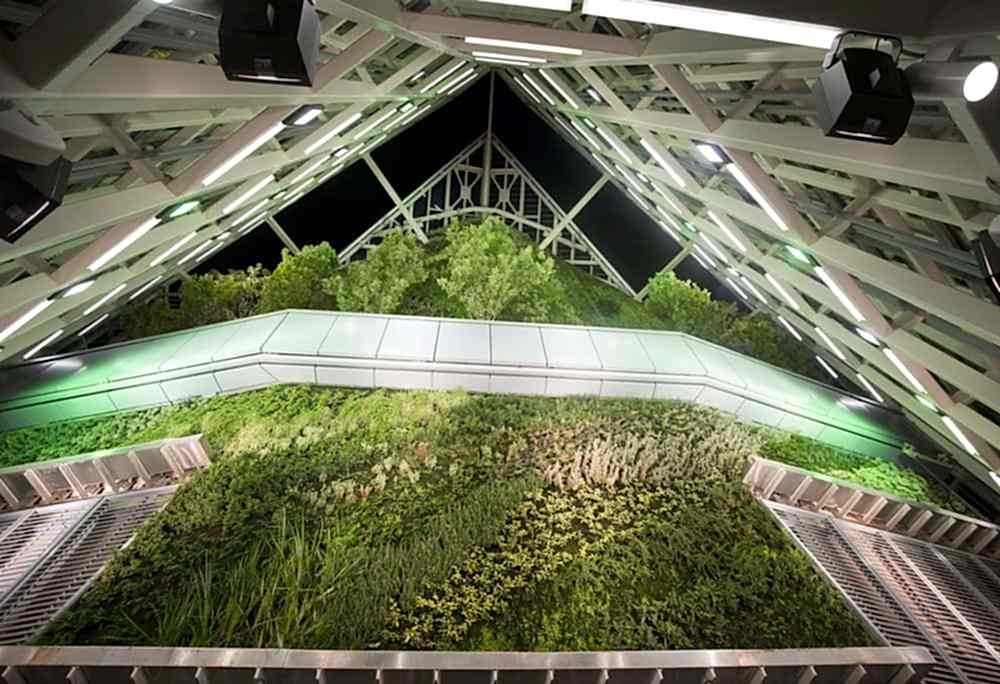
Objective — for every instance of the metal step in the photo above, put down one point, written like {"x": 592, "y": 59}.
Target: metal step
{"x": 786, "y": 484}
{"x": 131, "y": 468}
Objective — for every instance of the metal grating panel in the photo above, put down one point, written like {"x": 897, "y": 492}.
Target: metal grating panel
{"x": 56, "y": 552}
{"x": 912, "y": 592}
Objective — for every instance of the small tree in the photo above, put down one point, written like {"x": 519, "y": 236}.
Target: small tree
{"x": 297, "y": 283}
{"x": 378, "y": 283}
{"x": 688, "y": 308}
{"x": 490, "y": 276}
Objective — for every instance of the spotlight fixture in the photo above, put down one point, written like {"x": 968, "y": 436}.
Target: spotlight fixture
{"x": 862, "y": 94}
{"x": 270, "y": 41}
{"x": 969, "y": 81}
{"x": 987, "y": 251}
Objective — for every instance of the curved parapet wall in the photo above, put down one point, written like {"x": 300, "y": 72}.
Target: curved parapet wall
{"x": 361, "y": 350}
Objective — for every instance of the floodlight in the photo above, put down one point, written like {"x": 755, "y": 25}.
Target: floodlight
{"x": 969, "y": 81}
{"x": 270, "y": 41}
{"x": 862, "y": 94}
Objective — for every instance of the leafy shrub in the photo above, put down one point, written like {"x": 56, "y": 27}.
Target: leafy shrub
{"x": 491, "y": 276}
{"x": 297, "y": 282}
{"x": 378, "y": 283}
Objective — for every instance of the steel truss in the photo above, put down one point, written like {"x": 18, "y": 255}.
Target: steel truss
{"x": 147, "y": 114}
{"x": 455, "y": 192}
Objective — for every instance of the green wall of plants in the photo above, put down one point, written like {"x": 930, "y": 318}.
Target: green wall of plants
{"x": 376, "y": 519}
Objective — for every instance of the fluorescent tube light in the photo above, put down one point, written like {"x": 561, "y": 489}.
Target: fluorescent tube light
{"x": 461, "y": 84}
{"x": 829, "y": 343}
{"x": 555, "y": 5}
{"x": 729, "y": 233}
{"x": 308, "y": 116}
{"x": 736, "y": 287}
{"x": 569, "y": 130}
{"x": 257, "y": 187}
{"x": 337, "y": 130}
{"x": 253, "y": 223}
{"x": 185, "y": 208}
{"x": 517, "y": 45}
{"x": 670, "y": 232}
{"x": 310, "y": 169}
{"x": 705, "y": 256}
{"x": 710, "y": 153}
{"x": 218, "y": 246}
{"x": 589, "y": 138}
{"x": 757, "y": 195}
{"x": 607, "y": 168}
{"x": 44, "y": 343}
{"x": 375, "y": 123}
{"x": 176, "y": 247}
{"x": 868, "y": 337}
{"x": 715, "y": 248}
{"x": 416, "y": 77}
{"x": 249, "y": 212}
{"x": 25, "y": 318}
{"x": 791, "y": 329}
{"x": 923, "y": 399}
{"x": 124, "y": 244}
{"x": 827, "y": 367}
{"x": 103, "y": 300}
{"x": 906, "y": 372}
{"x": 79, "y": 288}
{"x": 677, "y": 178}
{"x": 960, "y": 436}
{"x": 756, "y": 293}
{"x": 628, "y": 176}
{"x": 526, "y": 89}
{"x": 415, "y": 114}
{"x": 700, "y": 262}
{"x": 144, "y": 288}
{"x": 611, "y": 141}
{"x": 249, "y": 149}
{"x": 638, "y": 198}
{"x": 839, "y": 294}
{"x": 93, "y": 325}
{"x": 670, "y": 200}
{"x": 799, "y": 254}
{"x": 541, "y": 91}
{"x": 195, "y": 252}
{"x": 871, "y": 388}
{"x": 452, "y": 69}
{"x": 715, "y": 21}
{"x": 782, "y": 291}
{"x": 503, "y": 56}
{"x": 555, "y": 84}
{"x": 594, "y": 95}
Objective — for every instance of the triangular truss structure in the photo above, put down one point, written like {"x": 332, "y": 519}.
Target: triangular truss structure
{"x": 456, "y": 192}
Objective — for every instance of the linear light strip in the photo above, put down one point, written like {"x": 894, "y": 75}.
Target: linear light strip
{"x": 375, "y": 123}
{"x": 210, "y": 252}
{"x": 249, "y": 149}
{"x": 310, "y": 169}
{"x": 452, "y": 69}
{"x": 249, "y": 212}
{"x": 105, "y": 299}
{"x": 124, "y": 244}
{"x": 829, "y": 343}
{"x": 506, "y": 57}
{"x": 906, "y": 372}
{"x": 736, "y": 287}
{"x": 25, "y": 318}
{"x": 715, "y": 21}
{"x": 782, "y": 291}
{"x": 959, "y": 435}
{"x": 254, "y": 222}
{"x": 93, "y": 325}
{"x": 758, "y": 196}
{"x": 518, "y": 45}
{"x": 517, "y": 79}
{"x": 558, "y": 88}
{"x": 257, "y": 187}
{"x": 715, "y": 248}
{"x": 790, "y": 328}
{"x": 754, "y": 290}
{"x": 555, "y": 5}
{"x": 337, "y": 130}
{"x": 613, "y": 143}
{"x": 461, "y": 84}
{"x": 827, "y": 367}
{"x": 729, "y": 233}
{"x": 541, "y": 91}
{"x": 704, "y": 255}
{"x": 44, "y": 343}
{"x": 138, "y": 293}
{"x": 196, "y": 251}
{"x": 176, "y": 247}
{"x": 871, "y": 388}
{"x": 659, "y": 159}
{"x": 839, "y": 294}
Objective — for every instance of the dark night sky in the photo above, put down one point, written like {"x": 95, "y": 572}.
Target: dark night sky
{"x": 347, "y": 204}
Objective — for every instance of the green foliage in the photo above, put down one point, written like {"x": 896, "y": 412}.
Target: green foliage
{"x": 297, "y": 281}
{"x": 204, "y": 299}
{"x": 378, "y": 283}
{"x": 492, "y": 277}
{"x": 867, "y": 471}
{"x": 375, "y": 519}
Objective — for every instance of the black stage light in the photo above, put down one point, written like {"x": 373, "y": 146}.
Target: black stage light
{"x": 270, "y": 41}
{"x": 33, "y": 175}
{"x": 862, "y": 94}
{"x": 988, "y": 253}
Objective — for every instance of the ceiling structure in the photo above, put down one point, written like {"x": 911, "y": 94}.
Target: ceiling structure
{"x": 861, "y": 250}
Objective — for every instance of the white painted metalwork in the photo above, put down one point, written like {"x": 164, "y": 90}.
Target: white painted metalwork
{"x": 909, "y": 592}
{"x": 50, "y": 555}
{"x": 112, "y": 471}
{"x": 30, "y": 665}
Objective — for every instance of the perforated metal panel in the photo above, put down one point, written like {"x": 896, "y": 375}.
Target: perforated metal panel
{"x": 50, "y": 555}
{"x": 910, "y": 592}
